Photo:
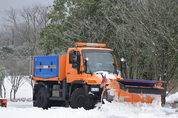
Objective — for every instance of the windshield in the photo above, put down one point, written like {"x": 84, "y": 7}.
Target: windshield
{"x": 100, "y": 60}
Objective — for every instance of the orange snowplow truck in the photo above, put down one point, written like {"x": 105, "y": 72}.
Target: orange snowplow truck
{"x": 76, "y": 79}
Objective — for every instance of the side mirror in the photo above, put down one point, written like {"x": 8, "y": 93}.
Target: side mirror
{"x": 72, "y": 57}
{"x": 123, "y": 65}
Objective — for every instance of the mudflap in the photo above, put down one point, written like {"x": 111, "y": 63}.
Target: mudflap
{"x": 3, "y": 102}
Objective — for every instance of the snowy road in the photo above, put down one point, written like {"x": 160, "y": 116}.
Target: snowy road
{"x": 108, "y": 110}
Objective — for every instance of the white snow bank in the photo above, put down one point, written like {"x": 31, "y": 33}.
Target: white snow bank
{"x": 107, "y": 110}
{"x": 25, "y": 90}
{"x": 105, "y": 73}
{"x": 172, "y": 98}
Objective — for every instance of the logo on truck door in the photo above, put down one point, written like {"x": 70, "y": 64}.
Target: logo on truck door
{"x": 45, "y": 66}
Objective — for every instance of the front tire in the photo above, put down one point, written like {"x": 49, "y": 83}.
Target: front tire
{"x": 79, "y": 99}
{"x": 41, "y": 99}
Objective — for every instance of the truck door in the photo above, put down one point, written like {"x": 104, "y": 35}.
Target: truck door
{"x": 73, "y": 67}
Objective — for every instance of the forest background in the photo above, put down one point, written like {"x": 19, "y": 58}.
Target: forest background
{"x": 145, "y": 32}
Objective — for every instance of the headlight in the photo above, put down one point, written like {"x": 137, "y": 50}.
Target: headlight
{"x": 94, "y": 89}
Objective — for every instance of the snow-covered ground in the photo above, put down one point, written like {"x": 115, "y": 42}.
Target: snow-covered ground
{"x": 108, "y": 110}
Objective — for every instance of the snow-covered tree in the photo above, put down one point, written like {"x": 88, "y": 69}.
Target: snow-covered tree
{"x": 2, "y": 77}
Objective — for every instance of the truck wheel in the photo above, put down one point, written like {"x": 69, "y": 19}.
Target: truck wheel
{"x": 41, "y": 99}
{"x": 34, "y": 104}
{"x": 79, "y": 99}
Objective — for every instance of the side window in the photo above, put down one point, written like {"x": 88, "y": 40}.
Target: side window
{"x": 72, "y": 57}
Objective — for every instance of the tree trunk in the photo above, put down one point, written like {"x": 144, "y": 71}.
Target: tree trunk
{"x": 163, "y": 97}
{"x": 15, "y": 94}
{"x": 0, "y": 91}
{"x": 4, "y": 91}
{"x": 11, "y": 95}
{"x": 163, "y": 100}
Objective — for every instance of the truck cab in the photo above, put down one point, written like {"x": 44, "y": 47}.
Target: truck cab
{"x": 83, "y": 62}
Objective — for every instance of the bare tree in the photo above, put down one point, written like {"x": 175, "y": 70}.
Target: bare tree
{"x": 9, "y": 36}
{"x": 28, "y": 22}
{"x": 17, "y": 75}
{"x": 16, "y": 82}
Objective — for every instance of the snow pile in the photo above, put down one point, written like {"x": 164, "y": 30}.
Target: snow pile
{"x": 172, "y": 98}
{"x": 108, "y": 110}
{"x": 172, "y": 101}
{"x": 100, "y": 74}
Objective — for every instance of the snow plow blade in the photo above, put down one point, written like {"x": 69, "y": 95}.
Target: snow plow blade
{"x": 128, "y": 90}
{"x": 3, "y": 102}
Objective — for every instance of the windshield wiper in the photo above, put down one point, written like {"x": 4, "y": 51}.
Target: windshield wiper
{"x": 90, "y": 70}
{"x": 115, "y": 70}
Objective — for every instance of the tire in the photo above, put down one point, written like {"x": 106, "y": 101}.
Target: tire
{"x": 34, "y": 104}
{"x": 41, "y": 99}
{"x": 78, "y": 99}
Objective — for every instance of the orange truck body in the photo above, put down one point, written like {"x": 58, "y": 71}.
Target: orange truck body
{"x": 69, "y": 79}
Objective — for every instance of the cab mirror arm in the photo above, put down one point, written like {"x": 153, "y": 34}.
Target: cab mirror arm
{"x": 123, "y": 65}
{"x": 78, "y": 62}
